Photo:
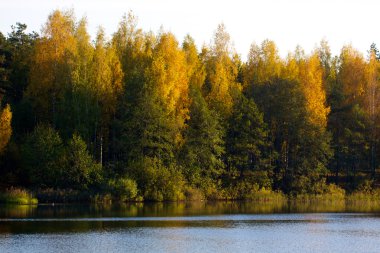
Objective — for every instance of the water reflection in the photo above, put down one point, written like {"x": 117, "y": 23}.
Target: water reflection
{"x": 191, "y": 227}
{"x": 179, "y": 209}
{"x": 82, "y": 218}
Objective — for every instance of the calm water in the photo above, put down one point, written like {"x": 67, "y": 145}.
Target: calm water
{"x": 190, "y": 227}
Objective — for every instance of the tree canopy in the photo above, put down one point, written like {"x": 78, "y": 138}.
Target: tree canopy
{"x": 147, "y": 115}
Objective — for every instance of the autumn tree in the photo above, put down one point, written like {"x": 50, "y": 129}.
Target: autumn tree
{"x": 348, "y": 121}
{"x": 195, "y": 67}
{"x": 326, "y": 61}
{"x": 134, "y": 49}
{"x": 143, "y": 114}
{"x": 311, "y": 78}
{"x": 221, "y": 72}
{"x": 52, "y": 64}
{"x": 106, "y": 82}
{"x": 168, "y": 76}
{"x": 5, "y": 127}
{"x": 352, "y": 75}
{"x": 263, "y": 64}
{"x": 372, "y": 102}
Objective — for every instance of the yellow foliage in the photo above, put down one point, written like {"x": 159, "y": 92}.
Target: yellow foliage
{"x": 168, "y": 77}
{"x": 352, "y": 74}
{"x": 81, "y": 72}
{"x": 196, "y": 71}
{"x": 291, "y": 69}
{"x": 311, "y": 78}
{"x": 372, "y": 86}
{"x": 264, "y": 63}
{"x": 308, "y": 71}
{"x": 221, "y": 79}
{"x": 5, "y": 127}
{"x": 132, "y": 46}
{"x": 106, "y": 75}
{"x": 52, "y": 62}
{"x": 222, "y": 72}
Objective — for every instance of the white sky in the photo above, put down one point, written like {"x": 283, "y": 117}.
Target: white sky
{"x": 287, "y": 22}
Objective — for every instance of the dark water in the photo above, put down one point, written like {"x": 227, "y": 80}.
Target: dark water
{"x": 190, "y": 227}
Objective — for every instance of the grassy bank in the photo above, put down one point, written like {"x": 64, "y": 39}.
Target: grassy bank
{"x": 334, "y": 195}
{"x": 17, "y": 196}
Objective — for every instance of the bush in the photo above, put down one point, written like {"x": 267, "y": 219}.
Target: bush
{"x": 17, "y": 196}
{"x": 366, "y": 187}
{"x": 194, "y": 194}
{"x": 43, "y": 154}
{"x": 213, "y": 190}
{"x": 81, "y": 170}
{"x": 309, "y": 185}
{"x": 123, "y": 188}
{"x": 156, "y": 181}
{"x": 266, "y": 195}
{"x": 330, "y": 193}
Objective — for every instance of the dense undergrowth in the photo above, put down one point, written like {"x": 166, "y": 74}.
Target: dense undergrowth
{"x": 128, "y": 192}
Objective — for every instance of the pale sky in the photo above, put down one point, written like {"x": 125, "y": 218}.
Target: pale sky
{"x": 288, "y": 22}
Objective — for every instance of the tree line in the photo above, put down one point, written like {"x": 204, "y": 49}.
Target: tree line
{"x": 142, "y": 114}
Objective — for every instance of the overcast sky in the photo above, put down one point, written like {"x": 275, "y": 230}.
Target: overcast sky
{"x": 287, "y": 22}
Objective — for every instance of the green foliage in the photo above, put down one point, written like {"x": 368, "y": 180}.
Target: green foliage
{"x": 150, "y": 132}
{"x": 193, "y": 194}
{"x": 17, "y": 196}
{"x": 81, "y": 171}
{"x": 248, "y": 141}
{"x": 49, "y": 163}
{"x": 303, "y": 149}
{"x": 201, "y": 154}
{"x": 43, "y": 156}
{"x": 15, "y": 57}
{"x": 327, "y": 193}
{"x": 351, "y": 145}
{"x": 138, "y": 116}
{"x": 123, "y": 188}
{"x": 156, "y": 181}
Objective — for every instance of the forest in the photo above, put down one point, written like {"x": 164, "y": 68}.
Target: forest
{"x": 143, "y": 116}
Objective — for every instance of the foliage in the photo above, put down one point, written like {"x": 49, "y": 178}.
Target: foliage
{"x": 81, "y": 171}
{"x": 221, "y": 72}
{"x": 43, "y": 156}
{"x": 142, "y": 116}
{"x": 124, "y": 188}
{"x": 5, "y": 127}
{"x": 248, "y": 140}
{"x": 17, "y": 196}
{"x": 157, "y": 181}
{"x": 201, "y": 154}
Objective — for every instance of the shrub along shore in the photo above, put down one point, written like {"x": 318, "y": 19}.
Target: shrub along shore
{"x": 333, "y": 195}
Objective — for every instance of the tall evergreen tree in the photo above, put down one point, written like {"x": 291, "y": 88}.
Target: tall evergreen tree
{"x": 201, "y": 154}
{"x": 247, "y": 144}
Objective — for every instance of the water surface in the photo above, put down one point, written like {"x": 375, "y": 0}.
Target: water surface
{"x": 190, "y": 227}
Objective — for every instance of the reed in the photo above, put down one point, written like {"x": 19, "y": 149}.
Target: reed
{"x": 17, "y": 196}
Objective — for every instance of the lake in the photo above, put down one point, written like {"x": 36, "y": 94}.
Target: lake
{"x": 191, "y": 227}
